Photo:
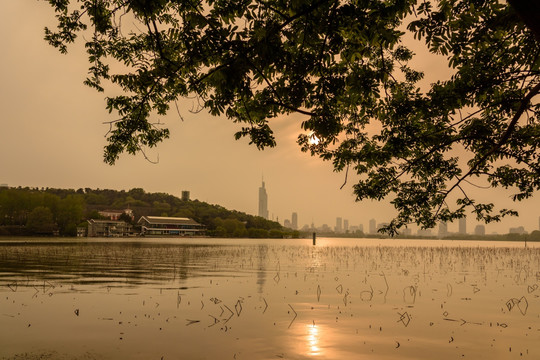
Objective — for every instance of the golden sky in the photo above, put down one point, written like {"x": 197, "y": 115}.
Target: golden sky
{"x": 52, "y": 135}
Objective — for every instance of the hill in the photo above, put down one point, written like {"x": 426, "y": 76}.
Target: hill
{"x": 34, "y": 211}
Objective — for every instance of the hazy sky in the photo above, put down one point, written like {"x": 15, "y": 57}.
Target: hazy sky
{"x": 52, "y": 135}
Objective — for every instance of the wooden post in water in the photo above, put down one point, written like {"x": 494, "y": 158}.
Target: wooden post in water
{"x": 314, "y": 238}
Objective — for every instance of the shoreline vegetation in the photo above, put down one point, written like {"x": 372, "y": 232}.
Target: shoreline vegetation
{"x": 60, "y": 212}
{"x": 46, "y": 212}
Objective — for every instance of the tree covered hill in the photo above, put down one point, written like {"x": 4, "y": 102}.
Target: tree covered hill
{"x": 34, "y": 211}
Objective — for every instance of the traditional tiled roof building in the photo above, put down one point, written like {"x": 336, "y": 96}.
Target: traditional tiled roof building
{"x": 170, "y": 226}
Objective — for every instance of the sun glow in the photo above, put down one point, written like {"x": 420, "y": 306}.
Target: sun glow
{"x": 313, "y": 339}
{"x": 313, "y": 139}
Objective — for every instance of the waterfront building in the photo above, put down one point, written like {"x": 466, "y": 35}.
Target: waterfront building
{"x": 294, "y": 221}
{"x": 263, "y": 202}
{"x": 170, "y": 226}
{"x": 81, "y": 231}
{"x": 108, "y": 228}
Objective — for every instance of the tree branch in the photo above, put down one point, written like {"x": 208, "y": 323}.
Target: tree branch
{"x": 504, "y": 138}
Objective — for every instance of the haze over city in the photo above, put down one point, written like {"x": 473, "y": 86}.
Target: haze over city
{"x": 53, "y": 136}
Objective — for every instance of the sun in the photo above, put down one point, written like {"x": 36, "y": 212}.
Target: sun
{"x": 313, "y": 139}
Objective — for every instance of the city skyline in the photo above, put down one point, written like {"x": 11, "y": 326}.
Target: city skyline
{"x": 442, "y": 230}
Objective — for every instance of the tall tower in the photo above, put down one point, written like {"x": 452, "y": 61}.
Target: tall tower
{"x": 185, "y": 195}
{"x": 263, "y": 202}
{"x": 294, "y": 221}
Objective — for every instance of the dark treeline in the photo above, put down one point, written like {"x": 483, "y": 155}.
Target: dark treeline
{"x": 34, "y": 211}
{"x": 533, "y": 236}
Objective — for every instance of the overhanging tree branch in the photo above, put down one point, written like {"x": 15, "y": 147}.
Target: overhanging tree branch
{"x": 504, "y": 138}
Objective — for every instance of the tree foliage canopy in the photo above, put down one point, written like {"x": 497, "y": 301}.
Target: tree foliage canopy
{"x": 345, "y": 66}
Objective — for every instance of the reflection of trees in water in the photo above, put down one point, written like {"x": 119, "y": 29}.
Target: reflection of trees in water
{"x": 130, "y": 263}
{"x": 143, "y": 262}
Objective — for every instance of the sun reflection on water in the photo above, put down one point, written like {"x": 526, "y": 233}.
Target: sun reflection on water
{"x": 313, "y": 340}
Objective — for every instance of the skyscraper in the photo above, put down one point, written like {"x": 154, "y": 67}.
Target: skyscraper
{"x": 463, "y": 225}
{"x": 372, "y": 226}
{"x": 339, "y": 225}
{"x": 263, "y": 202}
{"x": 443, "y": 229}
{"x": 345, "y": 225}
{"x": 480, "y": 230}
{"x": 294, "y": 221}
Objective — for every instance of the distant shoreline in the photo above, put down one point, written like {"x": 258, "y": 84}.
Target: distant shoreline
{"x": 499, "y": 238}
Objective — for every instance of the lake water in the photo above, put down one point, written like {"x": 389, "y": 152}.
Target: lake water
{"x": 268, "y": 299}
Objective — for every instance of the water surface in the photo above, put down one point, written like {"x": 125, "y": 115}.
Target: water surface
{"x": 268, "y": 299}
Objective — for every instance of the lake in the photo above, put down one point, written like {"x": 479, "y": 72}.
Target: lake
{"x": 268, "y": 299}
